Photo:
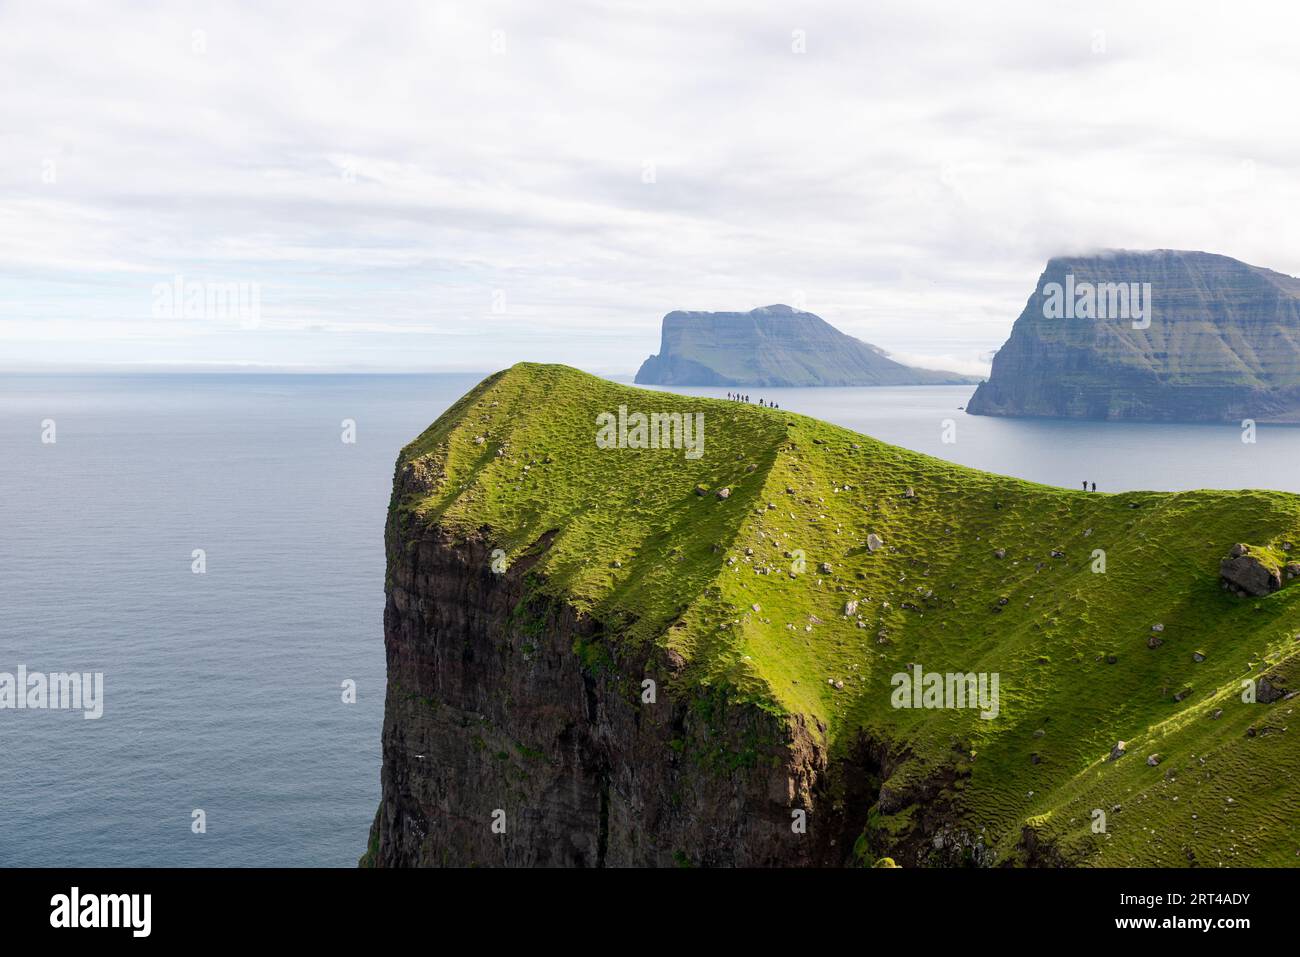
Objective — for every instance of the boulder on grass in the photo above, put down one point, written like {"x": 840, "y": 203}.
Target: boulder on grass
{"x": 1246, "y": 571}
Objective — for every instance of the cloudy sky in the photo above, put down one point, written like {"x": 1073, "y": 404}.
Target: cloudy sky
{"x": 464, "y": 185}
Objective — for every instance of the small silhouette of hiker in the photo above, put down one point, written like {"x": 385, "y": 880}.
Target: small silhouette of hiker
{"x": 1094, "y": 486}
{"x": 1085, "y": 486}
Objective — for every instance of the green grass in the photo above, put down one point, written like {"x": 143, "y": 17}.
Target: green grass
{"x": 633, "y": 544}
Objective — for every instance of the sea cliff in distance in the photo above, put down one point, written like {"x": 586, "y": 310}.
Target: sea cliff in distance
{"x": 1162, "y": 335}
{"x": 773, "y": 346}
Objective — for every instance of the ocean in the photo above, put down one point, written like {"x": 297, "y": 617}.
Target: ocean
{"x": 224, "y": 691}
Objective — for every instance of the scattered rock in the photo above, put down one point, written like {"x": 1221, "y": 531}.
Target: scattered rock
{"x": 1154, "y": 759}
{"x": 1270, "y": 688}
{"x": 701, "y": 489}
{"x": 909, "y": 492}
{"x": 824, "y": 568}
{"x": 1179, "y": 696}
{"x": 851, "y": 607}
{"x": 999, "y": 553}
{"x": 1198, "y": 656}
{"x": 1118, "y": 751}
{"x": 1158, "y": 627}
{"x": 1154, "y": 642}
{"x": 724, "y": 493}
{"x": 874, "y": 542}
{"x": 1248, "y": 574}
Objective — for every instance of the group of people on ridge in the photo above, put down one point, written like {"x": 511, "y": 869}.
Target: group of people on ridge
{"x": 737, "y": 397}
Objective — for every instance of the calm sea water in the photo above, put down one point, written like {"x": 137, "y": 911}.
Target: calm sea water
{"x": 223, "y": 690}
{"x": 1118, "y": 456}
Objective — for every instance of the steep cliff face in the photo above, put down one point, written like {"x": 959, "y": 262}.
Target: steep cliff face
{"x": 1220, "y": 341}
{"x": 503, "y": 702}
{"x": 773, "y": 346}
{"x": 612, "y": 653}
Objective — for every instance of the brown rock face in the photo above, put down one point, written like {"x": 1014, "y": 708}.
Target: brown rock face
{"x": 1243, "y": 570}
{"x": 507, "y": 709}
{"x": 518, "y": 732}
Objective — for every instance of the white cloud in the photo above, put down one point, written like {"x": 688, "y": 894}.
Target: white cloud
{"x": 386, "y": 176}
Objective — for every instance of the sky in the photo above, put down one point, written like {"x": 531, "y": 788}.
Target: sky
{"x": 421, "y": 186}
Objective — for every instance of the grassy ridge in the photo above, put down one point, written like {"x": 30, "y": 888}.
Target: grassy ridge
{"x": 720, "y": 581}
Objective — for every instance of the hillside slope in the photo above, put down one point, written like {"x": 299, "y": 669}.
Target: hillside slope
{"x": 773, "y": 346}
{"x": 537, "y": 581}
{"x": 1221, "y": 343}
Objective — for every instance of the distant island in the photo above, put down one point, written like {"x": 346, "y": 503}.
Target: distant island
{"x": 773, "y": 346}
{"x": 1162, "y": 335}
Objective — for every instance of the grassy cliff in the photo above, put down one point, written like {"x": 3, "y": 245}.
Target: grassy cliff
{"x": 1055, "y": 591}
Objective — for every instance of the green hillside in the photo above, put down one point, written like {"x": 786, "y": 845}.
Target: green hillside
{"x": 643, "y": 542}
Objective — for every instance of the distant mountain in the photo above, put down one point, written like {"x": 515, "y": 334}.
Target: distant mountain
{"x": 1203, "y": 338}
{"x": 773, "y": 346}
